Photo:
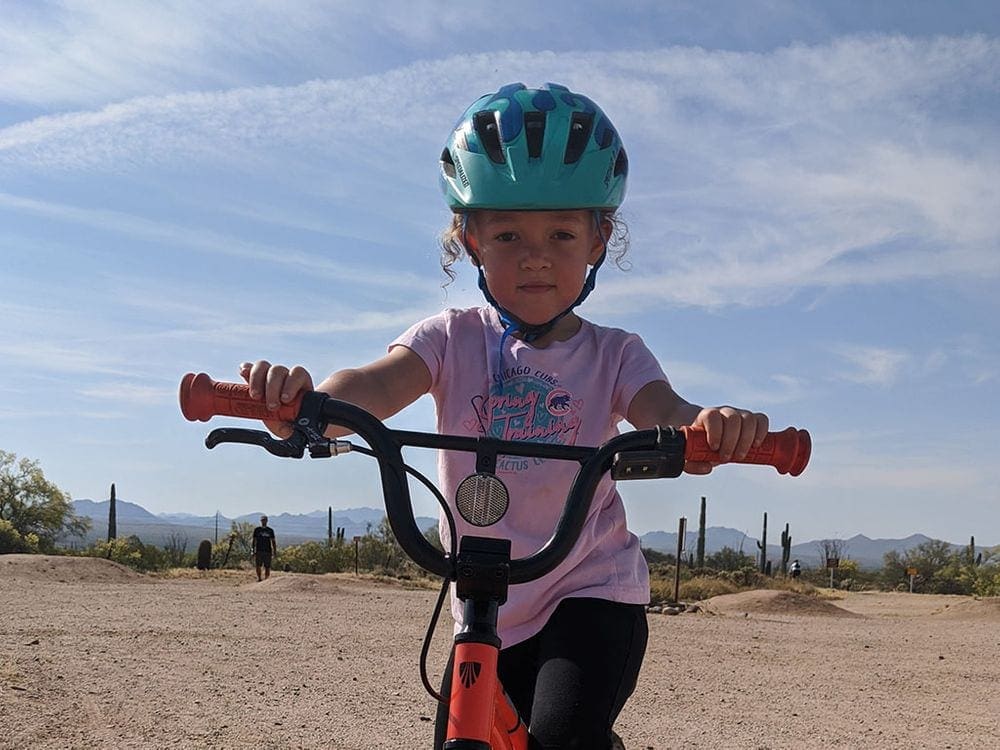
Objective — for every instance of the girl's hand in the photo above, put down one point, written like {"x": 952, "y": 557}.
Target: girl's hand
{"x": 275, "y": 385}
{"x": 731, "y": 432}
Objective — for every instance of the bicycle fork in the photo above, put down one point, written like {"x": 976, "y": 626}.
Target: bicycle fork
{"x": 480, "y": 715}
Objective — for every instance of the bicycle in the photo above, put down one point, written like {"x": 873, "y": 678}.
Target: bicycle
{"x": 481, "y": 716}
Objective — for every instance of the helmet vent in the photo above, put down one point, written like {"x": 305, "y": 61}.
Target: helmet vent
{"x": 534, "y": 131}
{"x": 579, "y": 131}
{"x": 447, "y": 163}
{"x": 621, "y": 163}
{"x": 488, "y": 130}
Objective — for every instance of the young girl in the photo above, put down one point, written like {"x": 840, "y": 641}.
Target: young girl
{"x": 534, "y": 178}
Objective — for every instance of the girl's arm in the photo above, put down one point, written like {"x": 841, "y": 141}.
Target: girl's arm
{"x": 384, "y": 387}
{"x": 730, "y": 431}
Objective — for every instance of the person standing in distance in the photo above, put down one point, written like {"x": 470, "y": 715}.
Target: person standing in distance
{"x": 263, "y": 547}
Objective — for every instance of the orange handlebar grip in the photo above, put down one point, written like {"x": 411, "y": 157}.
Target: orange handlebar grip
{"x": 203, "y": 398}
{"x": 787, "y": 451}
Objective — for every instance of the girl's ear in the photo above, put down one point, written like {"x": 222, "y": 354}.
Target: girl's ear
{"x": 600, "y": 241}
{"x": 471, "y": 246}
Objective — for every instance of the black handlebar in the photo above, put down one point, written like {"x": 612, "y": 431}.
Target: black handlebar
{"x": 386, "y": 444}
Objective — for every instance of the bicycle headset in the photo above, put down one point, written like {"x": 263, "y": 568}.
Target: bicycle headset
{"x": 522, "y": 149}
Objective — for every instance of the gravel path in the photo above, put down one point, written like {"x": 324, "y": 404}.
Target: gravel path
{"x": 95, "y": 656}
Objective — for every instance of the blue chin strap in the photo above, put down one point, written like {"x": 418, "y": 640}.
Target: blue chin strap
{"x": 511, "y": 323}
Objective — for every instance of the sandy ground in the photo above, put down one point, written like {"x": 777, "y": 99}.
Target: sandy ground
{"x": 96, "y": 656}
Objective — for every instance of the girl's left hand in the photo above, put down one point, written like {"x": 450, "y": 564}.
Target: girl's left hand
{"x": 731, "y": 432}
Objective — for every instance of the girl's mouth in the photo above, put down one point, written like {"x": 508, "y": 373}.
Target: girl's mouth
{"x": 535, "y": 288}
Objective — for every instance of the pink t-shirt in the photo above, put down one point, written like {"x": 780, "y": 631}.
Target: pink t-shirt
{"x": 573, "y": 392}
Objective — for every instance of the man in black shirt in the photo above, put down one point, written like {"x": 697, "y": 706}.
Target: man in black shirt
{"x": 263, "y": 547}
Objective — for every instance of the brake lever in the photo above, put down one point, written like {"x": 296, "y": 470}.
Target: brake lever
{"x": 293, "y": 447}
{"x": 308, "y": 434}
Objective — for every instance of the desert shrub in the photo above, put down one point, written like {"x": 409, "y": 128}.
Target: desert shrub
{"x": 130, "y": 551}
{"x": 941, "y": 569}
{"x": 729, "y": 559}
{"x": 747, "y": 577}
{"x": 655, "y": 557}
{"x": 432, "y": 536}
{"x": 317, "y": 557}
{"x": 986, "y": 581}
{"x": 175, "y": 550}
{"x": 11, "y": 540}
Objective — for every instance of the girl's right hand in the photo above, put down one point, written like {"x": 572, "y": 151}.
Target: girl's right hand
{"x": 275, "y": 385}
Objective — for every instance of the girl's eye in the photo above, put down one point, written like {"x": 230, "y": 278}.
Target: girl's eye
{"x": 564, "y": 236}
{"x": 505, "y": 237}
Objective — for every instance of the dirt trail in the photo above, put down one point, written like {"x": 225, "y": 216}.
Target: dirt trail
{"x": 96, "y": 656}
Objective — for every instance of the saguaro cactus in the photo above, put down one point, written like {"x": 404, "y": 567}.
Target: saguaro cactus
{"x": 973, "y": 558}
{"x": 701, "y": 535}
{"x": 112, "y": 517}
{"x": 786, "y": 549}
{"x": 205, "y": 554}
{"x": 762, "y": 546}
{"x": 329, "y": 526}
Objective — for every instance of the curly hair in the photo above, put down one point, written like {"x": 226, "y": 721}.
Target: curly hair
{"x": 453, "y": 249}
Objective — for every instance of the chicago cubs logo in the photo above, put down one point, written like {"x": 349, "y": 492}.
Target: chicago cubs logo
{"x": 558, "y": 402}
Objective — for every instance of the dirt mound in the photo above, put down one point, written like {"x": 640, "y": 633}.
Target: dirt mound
{"x": 972, "y": 609}
{"x": 285, "y": 582}
{"x": 65, "y": 569}
{"x": 773, "y": 603}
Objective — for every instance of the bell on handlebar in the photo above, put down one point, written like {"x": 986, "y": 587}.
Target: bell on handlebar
{"x": 482, "y": 499}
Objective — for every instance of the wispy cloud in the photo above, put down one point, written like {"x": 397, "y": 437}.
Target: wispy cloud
{"x": 80, "y": 51}
{"x": 871, "y": 365}
{"x": 778, "y": 388}
{"x": 208, "y": 241}
{"x": 49, "y": 357}
{"x": 868, "y": 160}
{"x": 123, "y": 392}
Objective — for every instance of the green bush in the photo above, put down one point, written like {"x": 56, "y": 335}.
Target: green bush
{"x": 35, "y": 512}
{"x": 11, "y": 540}
{"x": 132, "y": 552}
{"x": 317, "y": 557}
{"x": 942, "y": 569}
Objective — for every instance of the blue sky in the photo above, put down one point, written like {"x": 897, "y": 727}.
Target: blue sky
{"x": 814, "y": 210}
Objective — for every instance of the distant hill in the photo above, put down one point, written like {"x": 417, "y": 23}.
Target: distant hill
{"x": 158, "y": 529}
{"x": 297, "y": 528}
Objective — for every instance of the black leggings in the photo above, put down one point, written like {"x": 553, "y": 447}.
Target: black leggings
{"x": 570, "y": 681}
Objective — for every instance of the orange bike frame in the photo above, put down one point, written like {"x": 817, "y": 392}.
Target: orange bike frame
{"x": 480, "y": 715}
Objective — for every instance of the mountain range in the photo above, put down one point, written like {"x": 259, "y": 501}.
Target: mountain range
{"x": 297, "y": 528}
{"x": 866, "y": 552}
{"x": 133, "y": 519}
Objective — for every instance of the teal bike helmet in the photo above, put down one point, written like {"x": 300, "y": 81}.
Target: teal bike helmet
{"x": 533, "y": 149}
{"x": 523, "y": 149}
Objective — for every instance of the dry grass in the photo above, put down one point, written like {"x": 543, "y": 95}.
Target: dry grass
{"x": 700, "y": 588}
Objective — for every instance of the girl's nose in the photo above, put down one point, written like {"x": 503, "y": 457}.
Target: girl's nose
{"x": 534, "y": 258}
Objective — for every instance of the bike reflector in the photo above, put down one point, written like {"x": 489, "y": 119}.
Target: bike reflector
{"x": 482, "y": 499}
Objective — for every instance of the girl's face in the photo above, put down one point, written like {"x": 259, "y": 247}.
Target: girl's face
{"x": 535, "y": 262}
